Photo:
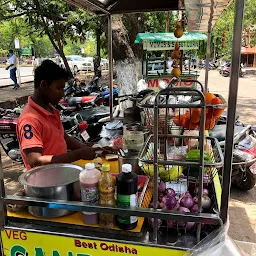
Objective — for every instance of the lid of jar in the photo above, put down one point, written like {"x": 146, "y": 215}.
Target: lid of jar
{"x": 126, "y": 168}
{"x": 90, "y": 166}
{"x": 105, "y": 168}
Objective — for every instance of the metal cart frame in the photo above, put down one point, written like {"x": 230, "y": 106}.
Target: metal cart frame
{"x": 98, "y": 7}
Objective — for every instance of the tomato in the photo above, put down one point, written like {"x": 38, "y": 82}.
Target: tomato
{"x": 209, "y": 97}
{"x": 195, "y": 115}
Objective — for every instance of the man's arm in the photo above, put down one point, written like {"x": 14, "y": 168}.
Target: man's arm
{"x": 35, "y": 156}
{"x": 9, "y": 66}
{"x": 73, "y": 143}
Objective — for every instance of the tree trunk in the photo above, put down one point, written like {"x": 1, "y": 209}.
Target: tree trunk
{"x": 97, "y": 58}
{"x": 124, "y": 59}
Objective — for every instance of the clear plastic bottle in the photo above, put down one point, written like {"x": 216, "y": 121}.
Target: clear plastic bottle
{"x": 127, "y": 188}
{"x": 89, "y": 179}
{"x": 107, "y": 196}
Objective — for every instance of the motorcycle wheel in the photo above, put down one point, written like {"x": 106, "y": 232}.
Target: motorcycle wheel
{"x": 243, "y": 180}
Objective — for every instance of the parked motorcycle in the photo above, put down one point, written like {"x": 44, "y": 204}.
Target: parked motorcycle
{"x": 244, "y": 159}
{"x": 82, "y": 125}
{"x": 8, "y": 137}
{"x": 226, "y": 71}
{"x": 77, "y": 98}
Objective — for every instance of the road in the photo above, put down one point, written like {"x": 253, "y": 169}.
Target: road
{"x": 25, "y": 72}
{"x": 246, "y": 101}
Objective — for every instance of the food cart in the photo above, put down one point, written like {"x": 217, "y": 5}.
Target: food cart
{"x": 166, "y": 42}
{"x": 22, "y": 234}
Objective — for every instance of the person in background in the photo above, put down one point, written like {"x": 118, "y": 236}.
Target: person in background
{"x": 41, "y": 136}
{"x": 35, "y": 63}
{"x": 12, "y": 67}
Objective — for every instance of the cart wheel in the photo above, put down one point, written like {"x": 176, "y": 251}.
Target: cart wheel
{"x": 243, "y": 180}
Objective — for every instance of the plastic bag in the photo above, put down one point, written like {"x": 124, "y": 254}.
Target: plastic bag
{"x": 142, "y": 85}
{"x": 218, "y": 243}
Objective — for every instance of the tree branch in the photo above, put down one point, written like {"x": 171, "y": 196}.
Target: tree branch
{"x": 13, "y": 16}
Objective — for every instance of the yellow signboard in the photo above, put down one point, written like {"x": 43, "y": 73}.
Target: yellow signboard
{"x": 21, "y": 243}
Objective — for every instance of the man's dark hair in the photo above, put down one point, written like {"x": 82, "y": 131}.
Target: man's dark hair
{"x": 10, "y": 51}
{"x": 49, "y": 71}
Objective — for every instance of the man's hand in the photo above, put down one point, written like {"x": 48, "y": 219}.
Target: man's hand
{"x": 7, "y": 68}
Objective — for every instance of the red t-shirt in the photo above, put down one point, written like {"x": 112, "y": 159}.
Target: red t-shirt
{"x": 38, "y": 127}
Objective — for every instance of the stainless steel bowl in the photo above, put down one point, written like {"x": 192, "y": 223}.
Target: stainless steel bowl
{"x": 55, "y": 181}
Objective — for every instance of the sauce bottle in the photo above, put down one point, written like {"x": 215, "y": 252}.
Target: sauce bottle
{"x": 107, "y": 196}
{"x": 89, "y": 178}
{"x": 127, "y": 185}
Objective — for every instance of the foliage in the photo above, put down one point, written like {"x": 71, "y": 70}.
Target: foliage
{"x": 226, "y": 22}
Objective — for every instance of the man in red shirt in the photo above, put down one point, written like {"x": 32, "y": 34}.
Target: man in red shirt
{"x": 40, "y": 132}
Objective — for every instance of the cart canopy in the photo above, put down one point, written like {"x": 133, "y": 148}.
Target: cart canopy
{"x": 201, "y": 13}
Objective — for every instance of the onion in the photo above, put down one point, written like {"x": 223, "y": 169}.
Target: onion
{"x": 171, "y": 223}
{"x": 187, "y": 202}
{"x": 164, "y": 207}
{"x": 171, "y": 202}
{"x": 206, "y": 180}
{"x": 195, "y": 199}
{"x": 188, "y": 194}
{"x": 205, "y": 191}
{"x": 206, "y": 202}
{"x": 181, "y": 224}
{"x": 190, "y": 225}
{"x": 161, "y": 187}
{"x": 151, "y": 205}
{"x": 194, "y": 208}
{"x": 151, "y": 222}
{"x": 160, "y": 197}
{"x": 170, "y": 191}
{"x": 164, "y": 198}
{"x": 176, "y": 207}
{"x": 184, "y": 209}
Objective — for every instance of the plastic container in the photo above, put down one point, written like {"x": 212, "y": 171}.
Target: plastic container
{"x": 107, "y": 196}
{"x": 127, "y": 185}
{"x": 89, "y": 179}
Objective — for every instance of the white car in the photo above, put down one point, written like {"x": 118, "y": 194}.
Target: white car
{"x": 78, "y": 63}
{"x": 103, "y": 62}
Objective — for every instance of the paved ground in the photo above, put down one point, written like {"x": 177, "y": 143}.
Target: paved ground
{"x": 246, "y": 93}
{"x": 242, "y": 212}
{"x": 25, "y": 73}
